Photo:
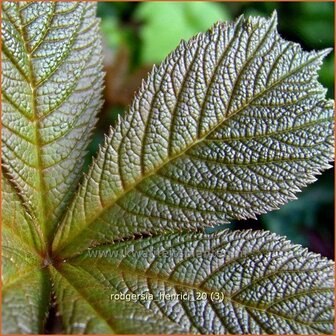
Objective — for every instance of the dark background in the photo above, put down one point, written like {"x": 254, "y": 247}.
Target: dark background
{"x": 137, "y": 35}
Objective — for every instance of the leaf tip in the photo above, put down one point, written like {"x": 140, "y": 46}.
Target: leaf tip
{"x": 274, "y": 17}
{"x": 325, "y": 52}
{"x": 240, "y": 20}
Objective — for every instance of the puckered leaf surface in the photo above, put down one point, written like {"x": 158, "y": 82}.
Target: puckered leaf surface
{"x": 230, "y": 125}
{"x": 235, "y": 282}
{"x": 51, "y": 92}
{"x": 25, "y": 285}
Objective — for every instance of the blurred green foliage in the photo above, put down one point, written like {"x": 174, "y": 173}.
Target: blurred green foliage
{"x": 164, "y": 24}
{"x": 150, "y": 30}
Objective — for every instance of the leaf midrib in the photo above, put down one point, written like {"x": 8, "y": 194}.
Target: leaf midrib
{"x": 39, "y": 168}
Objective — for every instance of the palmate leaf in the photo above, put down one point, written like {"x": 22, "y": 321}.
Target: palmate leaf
{"x": 235, "y": 282}
{"x": 51, "y": 91}
{"x": 230, "y": 125}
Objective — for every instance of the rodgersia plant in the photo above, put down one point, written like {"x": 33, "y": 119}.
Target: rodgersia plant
{"x": 230, "y": 125}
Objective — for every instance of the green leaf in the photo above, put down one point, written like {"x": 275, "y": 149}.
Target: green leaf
{"x": 165, "y": 24}
{"x": 16, "y": 222}
{"x": 25, "y": 303}
{"x": 51, "y": 90}
{"x": 230, "y": 125}
{"x": 233, "y": 282}
{"x": 25, "y": 285}
{"x": 92, "y": 311}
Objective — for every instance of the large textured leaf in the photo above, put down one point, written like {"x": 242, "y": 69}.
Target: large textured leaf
{"x": 230, "y": 125}
{"x": 25, "y": 285}
{"x": 234, "y": 282}
{"x": 51, "y": 89}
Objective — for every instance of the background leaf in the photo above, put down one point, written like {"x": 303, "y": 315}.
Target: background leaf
{"x": 264, "y": 285}
{"x": 51, "y": 89}
{"x": 230, "y": 125}
{"x": 169, "y": 22}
